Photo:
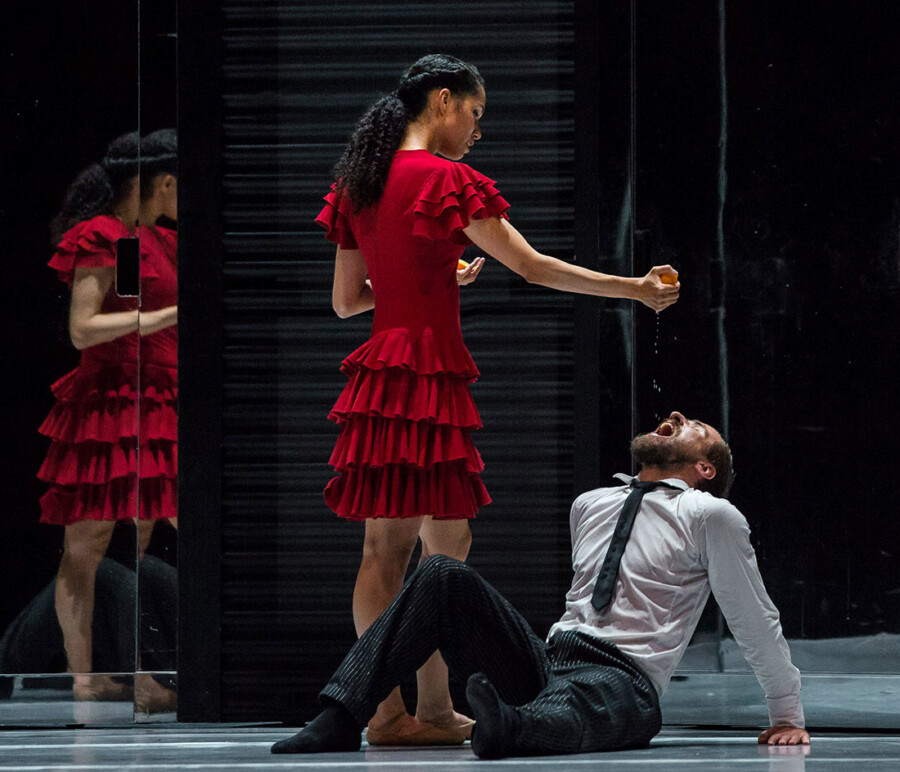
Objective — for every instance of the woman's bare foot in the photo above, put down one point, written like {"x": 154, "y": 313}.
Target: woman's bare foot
{"x": 451, "y": 721}
{"x": 91, "y": 687}
{"x": 398, "y": 725}
{"x": 404, "y": 729}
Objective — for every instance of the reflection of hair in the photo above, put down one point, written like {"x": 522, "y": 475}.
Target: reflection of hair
{"x": 159, "y": 155}
{"x": 362, "y": 171}
{"x": 101, "y": 186}
{"x": 719, "y": 455}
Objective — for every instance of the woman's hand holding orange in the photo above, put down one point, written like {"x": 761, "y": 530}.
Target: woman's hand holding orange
{"x": 660, "y": 287}
{"x": 466, "y": 273}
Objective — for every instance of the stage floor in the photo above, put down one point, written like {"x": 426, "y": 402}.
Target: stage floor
{"x": 226, "y": 747}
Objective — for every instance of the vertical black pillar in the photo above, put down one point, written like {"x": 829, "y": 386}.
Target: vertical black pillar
{"x": 587, "y": 223}
{"x": 200, "y": 359}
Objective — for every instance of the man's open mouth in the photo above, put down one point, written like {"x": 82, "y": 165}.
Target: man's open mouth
{"x": 665, "y": 429}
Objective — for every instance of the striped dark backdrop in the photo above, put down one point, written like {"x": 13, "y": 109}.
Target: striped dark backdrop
{"x": 268, "y": 93}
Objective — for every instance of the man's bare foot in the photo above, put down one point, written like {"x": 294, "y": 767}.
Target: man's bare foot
{"x": 91, "y": 687}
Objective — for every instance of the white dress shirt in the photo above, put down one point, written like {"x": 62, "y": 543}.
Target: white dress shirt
{"x": 683, "y": 543}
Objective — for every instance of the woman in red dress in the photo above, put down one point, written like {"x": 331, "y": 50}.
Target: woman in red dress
{"x": 401, "y": 212}
{"x": 96, "y": 454}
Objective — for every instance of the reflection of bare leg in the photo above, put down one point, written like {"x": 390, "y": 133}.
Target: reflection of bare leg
{"x": 84, "y": 547}
{"x": 144, "y": 533}
{"x": 452, "y": 538}
{"x": 150, "y": 696}
{"x": 387, "y": 549}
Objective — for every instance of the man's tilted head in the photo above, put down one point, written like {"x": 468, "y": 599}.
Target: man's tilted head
{"x": 689, "y": 449}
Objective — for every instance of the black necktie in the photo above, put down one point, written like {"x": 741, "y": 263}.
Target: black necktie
{"x": 606, "y": 579}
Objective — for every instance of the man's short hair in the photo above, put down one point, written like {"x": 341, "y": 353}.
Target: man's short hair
{"x": 719, "y": 455}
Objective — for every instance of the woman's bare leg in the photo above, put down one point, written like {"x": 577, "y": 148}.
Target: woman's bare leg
{"x": 144, "y": 534}
{"x": 452, "y": 538}
{"x": 387, "y": 550}
{"x": 84, "y": 547}
{"x": 149, "y": 695}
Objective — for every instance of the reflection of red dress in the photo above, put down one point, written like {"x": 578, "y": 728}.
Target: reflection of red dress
{"x": 94, "y": 458}
{"x": 406, "y": 413}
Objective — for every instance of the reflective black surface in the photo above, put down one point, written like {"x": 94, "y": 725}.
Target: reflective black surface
{"x": 74, "y": 77}
{"x": 215, "y": 748}
{"x": 767, "y": 172}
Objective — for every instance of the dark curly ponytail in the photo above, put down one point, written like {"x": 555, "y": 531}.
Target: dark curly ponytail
{"x": 101, "y": 186}
{"x": 362, "y": 171}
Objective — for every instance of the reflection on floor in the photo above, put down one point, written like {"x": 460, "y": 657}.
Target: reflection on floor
{"x": 236, "y": 748}
{"x": 870, "y": 702}
{"x": 47, "y": 702}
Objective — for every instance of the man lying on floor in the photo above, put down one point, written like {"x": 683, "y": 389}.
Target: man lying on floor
{"x": 595, "y": 684}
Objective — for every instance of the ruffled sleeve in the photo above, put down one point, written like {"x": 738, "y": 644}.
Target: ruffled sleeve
{"x": 335, "y": 218}
{"x": 89, "y": 244}
{"x": 451, "y": 197}
{"x": 168, "y": 237}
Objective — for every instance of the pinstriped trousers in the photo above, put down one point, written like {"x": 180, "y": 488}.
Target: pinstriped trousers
{"x": 576, "y": 694}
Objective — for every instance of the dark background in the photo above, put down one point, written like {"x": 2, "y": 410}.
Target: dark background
{"x": 783, "y": 337}
{"x": 806, "y": 295}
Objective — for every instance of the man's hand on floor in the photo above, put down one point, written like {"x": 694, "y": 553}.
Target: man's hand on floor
{"x": 784, "y": 735}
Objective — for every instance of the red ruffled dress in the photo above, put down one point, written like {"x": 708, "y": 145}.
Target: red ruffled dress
{"x": 406, "y": 414}
{"x": 112, "y": 421}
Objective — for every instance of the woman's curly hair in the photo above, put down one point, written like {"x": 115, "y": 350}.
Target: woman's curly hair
{"x": 97, "y": 189}
{"x": 159, "y": 155}
{"x": 362, "y": 171}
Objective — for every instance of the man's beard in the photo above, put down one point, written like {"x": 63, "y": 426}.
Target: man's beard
{"x": 650, "y": 450}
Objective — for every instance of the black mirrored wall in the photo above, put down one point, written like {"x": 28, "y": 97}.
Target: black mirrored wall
{"x": 765, "y": 167}
{"x": 87, "y": 563}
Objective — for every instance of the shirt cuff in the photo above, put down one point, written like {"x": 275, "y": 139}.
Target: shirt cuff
{"x": 786, "y": 710}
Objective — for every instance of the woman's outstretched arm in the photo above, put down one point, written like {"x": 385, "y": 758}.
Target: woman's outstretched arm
{"x": 502, "y": 241}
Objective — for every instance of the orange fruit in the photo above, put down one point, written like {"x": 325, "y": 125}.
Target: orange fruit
{"x": 669, "y": 278}
{"x": 461, "y": 265}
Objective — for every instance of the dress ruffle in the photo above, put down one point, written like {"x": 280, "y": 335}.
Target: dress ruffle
{"x": 426, "y": 354}
{"x": 93, "y": 464}
{"x": 450, "y": 199}
{"x": 405, "y": 448}
{"x": 378, "y": 442}
{"x": 102, "y": 407}
{"x": 446, "y": 492}
{"x": 117, "y": 500}
{"x": 400, "y": 393}
{"x": 89, "y": 244}
{"x": 334, "y": 218}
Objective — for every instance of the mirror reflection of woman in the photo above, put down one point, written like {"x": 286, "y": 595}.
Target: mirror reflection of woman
{"x": 92, "y": 464}
{"x": 401, "y": 212}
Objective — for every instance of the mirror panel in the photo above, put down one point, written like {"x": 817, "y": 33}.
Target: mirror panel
{"x": 155, "y": 683}
{"x": 70, "y": 89}
{"x": 766, "y": 172}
